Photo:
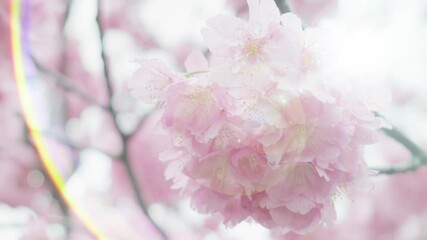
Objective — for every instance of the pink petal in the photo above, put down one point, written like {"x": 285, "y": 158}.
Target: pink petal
{"x": 150, "y": 80}
{"x": 195, "y": 62}
{"x": 263, "y": 10}
{"x": 294, "y": 221}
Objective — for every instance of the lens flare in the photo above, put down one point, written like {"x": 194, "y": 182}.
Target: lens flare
{"x": 20, "y": 57}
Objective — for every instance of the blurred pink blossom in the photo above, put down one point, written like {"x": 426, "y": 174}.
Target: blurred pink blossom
{"x": 311, "y": 11}
{"x": 36, "y": 230}
{"x": 46, "y": 19}
{"x": 22, "y": 184}
{"x": 121, "y": 15}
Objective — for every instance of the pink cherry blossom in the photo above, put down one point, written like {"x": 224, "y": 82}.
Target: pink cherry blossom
{"x": 274, "y": 141}
{"x": 261, "y": 45}
{"x": 384, "y": 211}
{"x": 239, "y": 5}
{"x": 36, "y": 229}
{"x": 155, "y": 77}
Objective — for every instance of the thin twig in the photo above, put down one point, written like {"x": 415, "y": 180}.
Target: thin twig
{"x": 283, "y": 6}
{"x": 13, "y": 225}
{"x": 125, "y": 137}
{"x": 140, "y": 123}
{"x": 415, "y": 150}
{"x": 398, "y": 170}
{"x": 64, "y": 140}
{"x": 62, "y": 206}
{"x": 64, "y": 82}
{"x": 65, "y": 18}
{"x": 419, "y": 157}
{"x": 103, "y": 54}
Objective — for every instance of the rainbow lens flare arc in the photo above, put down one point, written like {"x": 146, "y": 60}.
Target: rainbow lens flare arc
{"x": 19, "y": 43}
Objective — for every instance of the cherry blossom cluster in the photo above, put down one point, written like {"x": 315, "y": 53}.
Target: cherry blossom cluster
{"x": 262, "y": 130}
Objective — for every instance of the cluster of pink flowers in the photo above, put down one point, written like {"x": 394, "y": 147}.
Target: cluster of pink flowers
{"x": 260, "y": 131}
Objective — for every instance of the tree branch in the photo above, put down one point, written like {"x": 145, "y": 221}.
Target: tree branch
{"x": 398, "y": 170}
{"x": 65, "y": 83}
{"x": 419, "y": 156}
{"x": 125, "y": 138}
{"x": 283, "y": 6}
{"x": 415, "y": 150}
